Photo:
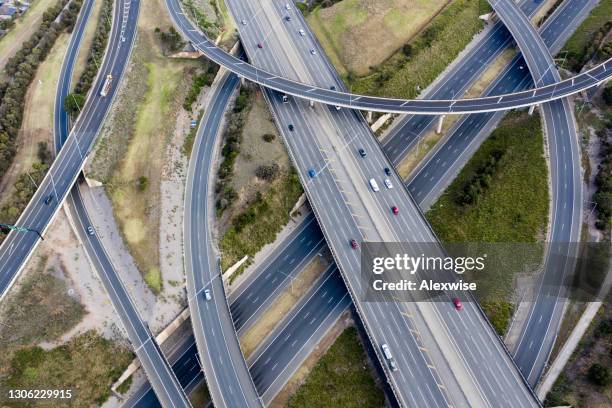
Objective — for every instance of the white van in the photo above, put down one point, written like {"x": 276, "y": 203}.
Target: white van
{"x": 386, "y": 351}
{"x": 374, "y": 185}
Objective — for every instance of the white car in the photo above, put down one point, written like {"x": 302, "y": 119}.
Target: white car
{"x": 388, "y": 183}
{"x": 243, "y": 21}
{"x": 302, "y": 32}
{"x": 90, "y": 230}
{"x": 374, "y": 185}
{"x": 287, "y": 6}
{"x": 313, "y": 52}
{"x": 207, "y": 295}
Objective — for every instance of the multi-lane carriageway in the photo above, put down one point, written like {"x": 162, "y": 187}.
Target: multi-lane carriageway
{"x": 594, "y": 75}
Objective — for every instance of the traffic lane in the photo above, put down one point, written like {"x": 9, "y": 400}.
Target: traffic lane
{"x": 276, "y": 353}
{"x": 366, "y": 135}
{"x": 380, "y": 195}
{"x": 307, "y": 337}
{"x": 228, "y": 383}
{"x": 402, "y": 137}
{"x": 539, "y": 334}
{"x": 17, "y": 248}
{"x": 61, "y": 122}
{"x": 150, "y": 356}
{"x": 539, "y": 60}
{"x": 329, "y": 199}
{"x": 327, "y": 96}
{"x": 429, "y": 179}
{"x": 275, "y": 273}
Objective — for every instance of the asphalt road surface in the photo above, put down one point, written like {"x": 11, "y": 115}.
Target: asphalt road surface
{"x": 327, "y": 140}
{"x": 539, "y": 334}
{"x": 331, "y": 97}
{"x": 226, "y": 372}
{"x": 156, "y": 367}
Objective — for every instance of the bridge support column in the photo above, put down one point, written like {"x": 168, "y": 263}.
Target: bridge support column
{"x": 531, "y": 109}
{"x": 311, "y": 103}
{"x": 369, "y": 117}
{"x": 440, "y": 122}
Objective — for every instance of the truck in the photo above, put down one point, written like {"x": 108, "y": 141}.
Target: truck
{"x": 107, "y": 85}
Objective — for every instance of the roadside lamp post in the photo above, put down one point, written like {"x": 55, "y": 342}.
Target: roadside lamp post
{"x": 4, "y": 227}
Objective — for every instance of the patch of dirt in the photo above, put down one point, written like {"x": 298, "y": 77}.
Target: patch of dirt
{"x": 355, "y": 29}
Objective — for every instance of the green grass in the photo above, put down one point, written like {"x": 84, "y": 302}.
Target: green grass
{"x": 258, "y": 224}
{"x": 87, "y": 365}
{"x": 512, "y": 209}
{"x": 578, "y": 46}
{"x": 433, "y": 49}
{"x": 153, "y": 278}
{"x": 515, "y": 206}
{"x": 341, "y": 378}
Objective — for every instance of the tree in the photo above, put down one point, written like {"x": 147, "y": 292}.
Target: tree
{"x": 607, "y": 95}
{"x": 598, "y": 374}
{"x": 74, "y": 103}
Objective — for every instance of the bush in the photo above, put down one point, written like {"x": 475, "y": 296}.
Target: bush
{"x": 143, "y": 183}
{"x": 598, "y": 374}
{"x": 607, "y": 95}
{"x": 268, "y": 137}
{"x": 480, "y": 180}
{"x": 171, "y": 39}
{"x": 268, "y": 172}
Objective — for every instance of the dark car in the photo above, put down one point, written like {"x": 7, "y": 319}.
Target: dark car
{"x": 288, "y": 18}
{"x": 387, "y": 171}
{"x": 312, "y": 173}
{"x": 259, "y": 45}
{"x": 333, "y": 87}
{"x": 362, "y": 152}
{"x": 457, "y": 304}
{"x": 395, "y": 209}
{"x": 354, "y": 244}
{"x": 291, "y": 128}
{"x": 49, "y": 199}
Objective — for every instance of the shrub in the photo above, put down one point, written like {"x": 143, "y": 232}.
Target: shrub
{"x": 598, "y": 374}
{"x": 268, "y": 137}
{"x": 268, "y": 172}
{"x": 171, "y": 39}
{"x": 143, "y": 183}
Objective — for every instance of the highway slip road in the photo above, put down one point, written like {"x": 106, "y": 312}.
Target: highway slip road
{"x": 407, "y": 130}
{"x": 18, "y": 247}
{"x": 539, "y": 333}
{"x": 227, "y": 375}
{"x": 335, "y": 97}
{"x": 155, "y": 366}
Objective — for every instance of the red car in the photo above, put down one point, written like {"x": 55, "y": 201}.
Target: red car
{"x": 457, "y": 304}
{"x": 259, "y": 45}
{"x": 354, "y": 244}
{"x": 395, "y": 210}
